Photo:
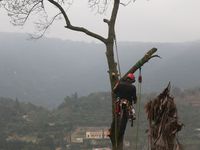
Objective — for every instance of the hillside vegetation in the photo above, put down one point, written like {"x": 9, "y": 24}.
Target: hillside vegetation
{"x": 25, "y": 126}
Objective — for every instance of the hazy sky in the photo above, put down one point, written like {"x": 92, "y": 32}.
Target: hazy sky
{"x": 144, "y": 20}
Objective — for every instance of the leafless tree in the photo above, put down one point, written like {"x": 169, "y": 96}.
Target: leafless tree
{"x": 21, "y": 10}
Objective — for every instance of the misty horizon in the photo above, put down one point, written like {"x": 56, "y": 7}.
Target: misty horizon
{"x": 40, "y": 70}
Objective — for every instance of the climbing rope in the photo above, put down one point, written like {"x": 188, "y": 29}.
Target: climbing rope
{"x": 116, "y": 49}
{"x": 116, "y": 124}
{"x": 138, "y": 105}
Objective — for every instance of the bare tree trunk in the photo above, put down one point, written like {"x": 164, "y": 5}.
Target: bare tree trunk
{"x": 112, "y": 65}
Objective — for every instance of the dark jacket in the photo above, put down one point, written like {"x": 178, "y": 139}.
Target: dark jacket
{"x": 126, "y": 90}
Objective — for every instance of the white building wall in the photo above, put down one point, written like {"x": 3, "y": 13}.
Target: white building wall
{"x": 94, "y": 135}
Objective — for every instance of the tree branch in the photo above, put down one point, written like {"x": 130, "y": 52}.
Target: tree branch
{"x": 45, "y": 27}
{"x": 76, "y": 28}
{"x": 127, "y": 3}
{"x": 142, "y": 61}
{"x": 21, "y": 10}
{"x": 111, "y": 22}
{"x": 92, "y": 34}
{"x": 29, "y": 12}
{"x": 99, "y": 5}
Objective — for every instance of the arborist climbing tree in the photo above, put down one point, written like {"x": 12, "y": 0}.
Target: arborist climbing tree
{"x": 22, "y": 10}
{"x": 119, "y": 123}
{"x": 125, "y": 93}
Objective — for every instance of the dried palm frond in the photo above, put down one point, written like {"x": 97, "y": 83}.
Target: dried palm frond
{"x": 163, "y": 122}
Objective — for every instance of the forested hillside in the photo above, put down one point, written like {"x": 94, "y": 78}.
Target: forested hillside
{"x": 28, "y": 127}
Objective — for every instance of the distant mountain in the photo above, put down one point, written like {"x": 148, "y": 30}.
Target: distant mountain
{"x": 47, "y": 70}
